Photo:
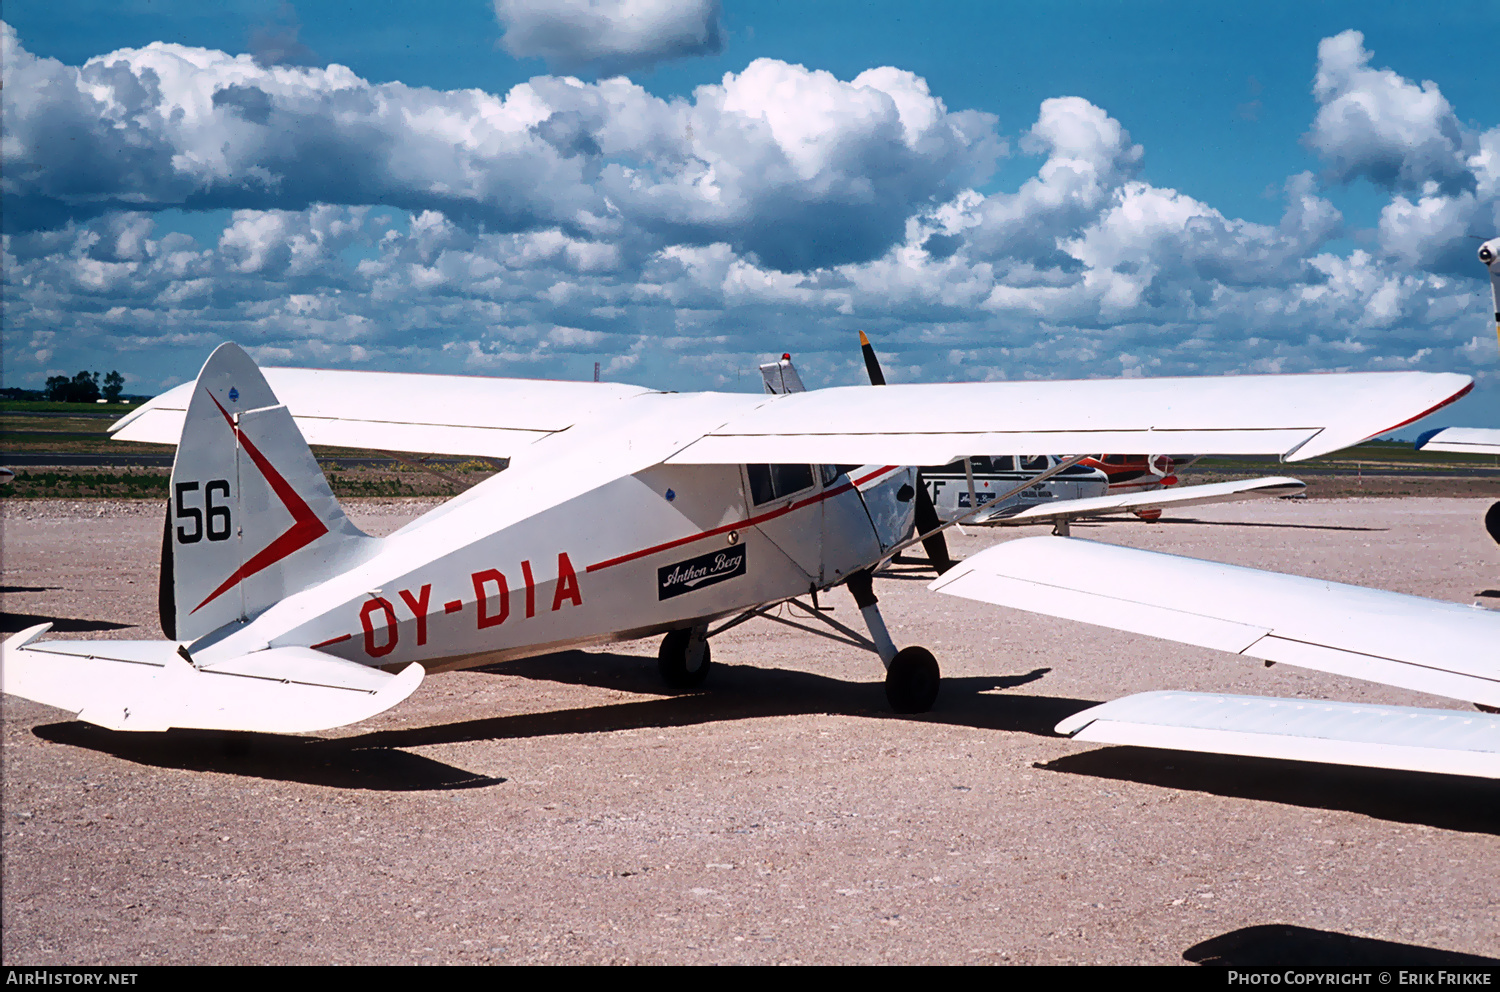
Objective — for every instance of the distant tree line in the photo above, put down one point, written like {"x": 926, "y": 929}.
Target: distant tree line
{"x": 84, "y": 388}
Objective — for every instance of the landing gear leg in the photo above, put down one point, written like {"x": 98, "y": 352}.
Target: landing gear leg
{"x": 684, "y": 658}
{"x": 911, "y": 674}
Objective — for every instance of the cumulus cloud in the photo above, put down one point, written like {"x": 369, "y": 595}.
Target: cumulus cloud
{"x": 607, "y": 37}
{"x": 1443, "y": 174}
{"x": 794, "y": 166}
{"x": 679, "y": 242}
{"x": 1377, "y": 125}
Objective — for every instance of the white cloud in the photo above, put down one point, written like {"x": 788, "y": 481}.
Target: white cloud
{"x": 608, "y": 36}
{"x": 679, "y": 242}
{"x": 1378, "y": 125}
{"x": 795, "y": 166}
{"x": 1443, "y": 174}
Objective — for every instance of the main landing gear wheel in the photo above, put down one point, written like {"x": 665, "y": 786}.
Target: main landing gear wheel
{"x": 1492, "y": 522}
{"x": 677, "y": 670}
{"x": 911, "y": 681}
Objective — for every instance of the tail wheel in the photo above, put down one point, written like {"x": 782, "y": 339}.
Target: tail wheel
{"x": 679, "y": 671}
{"x": 911, "y": 681}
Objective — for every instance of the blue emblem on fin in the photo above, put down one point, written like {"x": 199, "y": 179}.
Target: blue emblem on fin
{"x": 671, "y": 495}
{"x": 234, "y": 394}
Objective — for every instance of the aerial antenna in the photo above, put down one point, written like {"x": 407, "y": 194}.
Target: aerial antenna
{"x": 596, "y": 371}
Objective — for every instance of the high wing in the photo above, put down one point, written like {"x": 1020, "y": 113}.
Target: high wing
{"x": 1098, "y": 506}
{"x": 1294, "y": 416}
{"x": 402, "y": 411}
{"x": 1464, "y": 440}
{"x": 1406, "y": 641}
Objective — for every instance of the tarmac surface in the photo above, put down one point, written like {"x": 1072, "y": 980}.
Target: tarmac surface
{"x": 567, "y": 810}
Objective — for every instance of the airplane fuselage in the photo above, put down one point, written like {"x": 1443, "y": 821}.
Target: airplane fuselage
{"x": 486, "y": 578}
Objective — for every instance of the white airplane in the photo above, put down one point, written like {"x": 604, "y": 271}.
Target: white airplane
{"x": 625, "y": 512}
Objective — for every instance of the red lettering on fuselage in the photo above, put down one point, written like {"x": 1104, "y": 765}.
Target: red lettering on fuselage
{"x": 371, "y": 605}
{"x": 530, "y": 589}
{"x": 418, "y": 606}
{"x": 491, "y": 601}
{"x": 567, "y": 584}
{"x": 480, "y": 579}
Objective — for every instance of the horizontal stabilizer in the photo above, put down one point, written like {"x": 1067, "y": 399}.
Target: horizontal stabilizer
{"x": 1406, "y": 738}
{"x": 149, "y": 686}
{"x": 1180, "y": 496}
{"x": 1421, "y": 644}
{"x": 1463, "y": 440}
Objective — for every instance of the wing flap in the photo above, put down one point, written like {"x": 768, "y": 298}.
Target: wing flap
{"x": 150, "y": 687}
{"x": 1406, "y": 738}
{"x": 1381, "y": 636}
{"x": 1214, "y": 492}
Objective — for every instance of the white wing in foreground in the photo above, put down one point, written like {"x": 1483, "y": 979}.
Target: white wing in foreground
{"x": 1180, "y": 496}
{"x": 1464, "y": 440}
{"x": 1385, "y": 637}
{"x": 148, "y": 686}
{"x": 1397, "y": 737}
{"x": 1406, "y": 641}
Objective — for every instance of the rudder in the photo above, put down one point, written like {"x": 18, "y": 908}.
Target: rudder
{"x": 250, "y": 517}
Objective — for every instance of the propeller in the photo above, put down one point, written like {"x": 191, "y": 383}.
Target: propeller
{"x": 927, "y": 519}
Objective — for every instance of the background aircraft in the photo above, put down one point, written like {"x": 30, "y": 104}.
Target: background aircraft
{"x": 1094, "y": 486}
{"x": 624, "y": 513}
{"x": 1475, "y": 440}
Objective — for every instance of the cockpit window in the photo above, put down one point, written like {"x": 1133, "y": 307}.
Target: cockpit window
{"x": 1035, "y": 463}
{"x": 771, "y": 482}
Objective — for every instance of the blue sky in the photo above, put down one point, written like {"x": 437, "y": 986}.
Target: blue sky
{"x": 1036, "y": 190}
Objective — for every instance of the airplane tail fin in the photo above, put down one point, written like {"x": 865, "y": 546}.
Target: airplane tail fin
{"x": 250, "y": 517}
{"x": 781, "y": 377}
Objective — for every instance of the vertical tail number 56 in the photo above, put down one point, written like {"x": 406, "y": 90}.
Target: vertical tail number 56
{"x": 211, "y": 521}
